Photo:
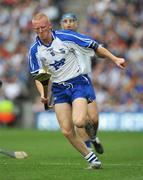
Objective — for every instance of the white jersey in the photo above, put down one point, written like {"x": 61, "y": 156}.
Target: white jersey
{"x": 64, "y": 57}
{"x": 84, "y": 58}
{"x": 63, "y": 65}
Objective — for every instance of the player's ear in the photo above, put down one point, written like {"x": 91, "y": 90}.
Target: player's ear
{"x": 61, "y": 24}
{"x": 76, "y": 25}
{"x": 50, "y": 26}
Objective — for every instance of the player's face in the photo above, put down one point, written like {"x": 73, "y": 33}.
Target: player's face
{"x": 70, "y": 24}
{"x": 42, "y": 27}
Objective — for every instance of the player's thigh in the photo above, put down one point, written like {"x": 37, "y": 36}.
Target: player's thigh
{"x": 79, "y": 110}
{"x": 93, "y": 111}
{"x": 64, "y": 116}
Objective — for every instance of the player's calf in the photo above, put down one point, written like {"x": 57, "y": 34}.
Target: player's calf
{"x": 91, "y": 131}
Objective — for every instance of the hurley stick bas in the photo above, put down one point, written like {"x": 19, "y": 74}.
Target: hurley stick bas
{"x": 14, "y": 154}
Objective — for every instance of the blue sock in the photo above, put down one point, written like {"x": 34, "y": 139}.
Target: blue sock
{"x": 88, "y": 143}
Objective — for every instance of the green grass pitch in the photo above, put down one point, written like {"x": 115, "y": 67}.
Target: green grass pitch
{"x": 51, "y": 157}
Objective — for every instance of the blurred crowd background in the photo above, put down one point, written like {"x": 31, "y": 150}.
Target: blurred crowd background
{"x": 116, "y": 24}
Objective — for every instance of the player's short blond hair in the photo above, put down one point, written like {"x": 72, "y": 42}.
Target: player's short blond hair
{"x": 39, "y": 16}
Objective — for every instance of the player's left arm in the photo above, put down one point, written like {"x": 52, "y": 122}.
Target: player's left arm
{"x": 87, "y": 42}
{"x": 103, "y": 52}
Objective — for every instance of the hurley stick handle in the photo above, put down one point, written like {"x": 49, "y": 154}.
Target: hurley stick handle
{"x": 45, "y": 86}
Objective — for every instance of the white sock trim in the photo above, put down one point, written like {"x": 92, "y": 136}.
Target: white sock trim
{"x": 88, "y": 155}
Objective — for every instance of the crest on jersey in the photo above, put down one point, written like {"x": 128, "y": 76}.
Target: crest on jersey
{"x": 58, "y": 64}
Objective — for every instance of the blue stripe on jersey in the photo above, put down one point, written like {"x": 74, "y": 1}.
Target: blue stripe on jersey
{"x": 33, "y": 61}
{"x": 80, "y": 39}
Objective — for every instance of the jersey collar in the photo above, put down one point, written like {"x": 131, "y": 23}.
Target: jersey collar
{"x": 38, "y": 40}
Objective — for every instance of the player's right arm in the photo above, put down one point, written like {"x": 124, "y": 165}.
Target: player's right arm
{"x": 40, "y": 89}
{"x": 34, "y": 68}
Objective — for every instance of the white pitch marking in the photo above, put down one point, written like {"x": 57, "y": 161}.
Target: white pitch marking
{"x": 106, "y": 164}
{"x": 137, "y": 165}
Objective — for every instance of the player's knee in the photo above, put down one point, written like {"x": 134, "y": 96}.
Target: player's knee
{"x": 79, "y": 122}
{"x": 94, "y": 118}
{"x": 67, "y": 133}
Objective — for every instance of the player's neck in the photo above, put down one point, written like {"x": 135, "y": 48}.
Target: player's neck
{"x": 48, "y": 40}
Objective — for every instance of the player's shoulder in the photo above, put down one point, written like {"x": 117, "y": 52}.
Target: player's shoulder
{"x": 64, "y": 31}
{"x": 69, "y": 35}
{"x": 33, "y": 47}
{"x": 68, "y": 32}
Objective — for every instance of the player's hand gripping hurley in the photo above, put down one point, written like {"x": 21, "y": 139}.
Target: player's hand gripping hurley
{"x": 44, "y": 78}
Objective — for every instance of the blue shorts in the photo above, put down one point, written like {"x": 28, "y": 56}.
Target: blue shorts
{"x": 68, "y": 91}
